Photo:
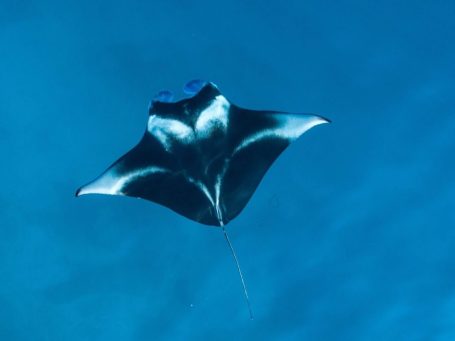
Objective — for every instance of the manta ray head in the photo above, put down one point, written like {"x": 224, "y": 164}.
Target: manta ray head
{"x": 181, "y": 123}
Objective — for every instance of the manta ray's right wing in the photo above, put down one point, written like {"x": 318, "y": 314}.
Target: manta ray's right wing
{"x": 257, "y": 139}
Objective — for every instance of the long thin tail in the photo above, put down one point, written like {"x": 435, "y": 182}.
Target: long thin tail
{"x": 240, "y": 271}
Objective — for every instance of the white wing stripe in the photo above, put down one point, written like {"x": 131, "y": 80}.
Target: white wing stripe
{"x": 289, "y": 127}
{"x": 113, "y": 184}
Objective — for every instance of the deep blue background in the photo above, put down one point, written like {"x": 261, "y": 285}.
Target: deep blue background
{"x": 351, "y": 235}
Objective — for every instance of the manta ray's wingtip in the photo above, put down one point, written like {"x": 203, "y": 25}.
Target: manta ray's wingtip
{"x": 324, "y": 119}
{"x": 86, "y": 189}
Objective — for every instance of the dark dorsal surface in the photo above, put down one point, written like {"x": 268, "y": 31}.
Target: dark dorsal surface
{"x": 202, "y": 157}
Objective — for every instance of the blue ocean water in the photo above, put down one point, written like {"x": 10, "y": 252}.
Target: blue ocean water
{"x": 350, "y": 236}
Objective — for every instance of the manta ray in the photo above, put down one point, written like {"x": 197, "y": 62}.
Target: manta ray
{"x": 203, "y": 156}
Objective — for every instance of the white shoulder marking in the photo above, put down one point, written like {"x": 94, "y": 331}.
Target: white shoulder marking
{"x": 213, "y": 117}
{"x": 165, "y": 128}
{"x": 288, "y": 127}
{"x": 109, "y": 183}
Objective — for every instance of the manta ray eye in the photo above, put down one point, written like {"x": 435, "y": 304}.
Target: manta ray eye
{"x": 194, "y": 86}
{"x": 164, "y": 96}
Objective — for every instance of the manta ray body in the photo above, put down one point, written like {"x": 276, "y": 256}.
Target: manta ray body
{"x": 203, "y": 156}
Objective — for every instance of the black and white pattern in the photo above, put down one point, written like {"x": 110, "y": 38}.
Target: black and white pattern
{"x": 202, "y": 157}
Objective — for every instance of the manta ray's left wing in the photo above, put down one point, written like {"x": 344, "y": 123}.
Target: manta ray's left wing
{"x": 149, "y": 172}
